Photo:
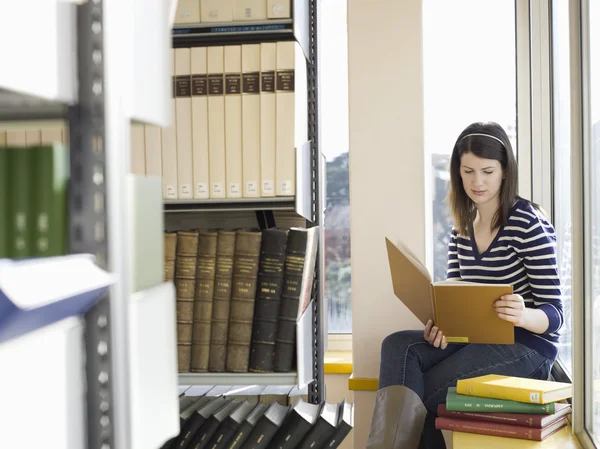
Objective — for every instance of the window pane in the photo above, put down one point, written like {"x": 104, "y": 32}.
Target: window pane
{"x": 469, "y": 76}
{"x": 334, "y": 145}
{"x": 562, "y": 167}
{"x": 594, "y": 213}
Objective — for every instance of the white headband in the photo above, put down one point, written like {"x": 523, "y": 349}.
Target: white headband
{"x": 486, "y": 135}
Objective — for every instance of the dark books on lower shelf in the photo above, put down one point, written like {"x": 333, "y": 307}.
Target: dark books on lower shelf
{"x": 230, "y": 425}
{"x": 297, "y": 423}
{"x": 245, "y": 429}
{"x": 266, "y": 427}
{"x": 210, "y": 426}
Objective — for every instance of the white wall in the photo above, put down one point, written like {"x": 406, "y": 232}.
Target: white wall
{"x": 387, "y": 172}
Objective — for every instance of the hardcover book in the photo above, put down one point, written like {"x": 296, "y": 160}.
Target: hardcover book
{"x": 464, "y": 403}
{"x": 463, "y": 311}
{"x": 514, "y": 388}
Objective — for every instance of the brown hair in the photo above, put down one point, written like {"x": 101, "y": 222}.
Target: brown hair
{"x": 463, "y": 208}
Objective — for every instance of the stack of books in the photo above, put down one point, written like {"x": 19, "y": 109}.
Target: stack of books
{"x": 506, "y": 406}
{"x": 256, "y": 417}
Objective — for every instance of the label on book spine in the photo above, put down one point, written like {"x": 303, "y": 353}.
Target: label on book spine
{"x": 285, "y": 81}
{"x": 286, "y": 187}
{"x": 199, "y": 85}
{"x": 251, "y": 84}
{"x": 186, "y": 190}
{"x": 251, "y": 187}
{"x": 171, "y": 192}
{"x": 217, "y": 188}
{"x": 268, "y": 188}
{"x": 183, "y": 86}
{"x": 202, "y": 189}
{"x": 215, "y": 84}
{"x": 233, "y": 82}
{"x": 268, "y": 81}
{"x": 234, "y": 188}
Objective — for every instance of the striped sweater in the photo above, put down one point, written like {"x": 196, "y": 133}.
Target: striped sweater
{"x": 522, "y": 254}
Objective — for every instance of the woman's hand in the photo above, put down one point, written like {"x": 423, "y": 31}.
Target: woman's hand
{"x": 512, "y": 308}
{"x": 434, "y": 336}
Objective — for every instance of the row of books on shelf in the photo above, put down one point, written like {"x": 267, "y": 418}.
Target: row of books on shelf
{"x": 239, "y": 113}
{"x": 210, "y": 11}
{"x": 506, "y": 406}
{"x": 34, "y": 173}
{"x": 240, "y": 294}
{"x": 257, "y": 417}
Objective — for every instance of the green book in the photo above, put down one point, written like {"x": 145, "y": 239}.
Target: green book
{"x": 4, "y": 239}
{"x": 462, "y": 403}
{"x": 20, "y": 202}
{"x": 51, "y": 168}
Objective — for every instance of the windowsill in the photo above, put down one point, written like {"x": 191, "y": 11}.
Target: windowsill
{"x": 338, "y": 362}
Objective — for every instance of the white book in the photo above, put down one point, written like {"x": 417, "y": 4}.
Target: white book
{"x": 292, "y": 114}
{"x": 200, "y": 123}
{"x": 183, "y": 106}
{"x": 216, "y": 121}
{"x": 233, "y": 120}
{"x": 251, "y": 119}
{"x": 268, "y": 64}
{"x": 138, "y": 158}
{"x": 169, "y": 149}
{"x": 153, "y": 150}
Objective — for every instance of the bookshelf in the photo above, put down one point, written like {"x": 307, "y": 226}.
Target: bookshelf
{"x": 306, "y": 205}
{"x": 97, "y": 92}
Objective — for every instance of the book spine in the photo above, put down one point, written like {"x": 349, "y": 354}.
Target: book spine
{"x": 262, "y": 434}
{"x": 221, "y": 301}
{"x": 233, "y": 120}
{"x": 240, "y": 436}
{"x": 183, "y": 105}
{"x": 53, "y": 175}
{"x": 472, "y": 403}
{"x": 170, "y": 248}
{"x": 200, "y": 122}
{"x": 290, "y": 300}
{"x": 268, "y": 64}
{"x": 216, "y": 121}
{"x": 268, "y": 298}
{"x": 4, "y": 189}
{"x": 203, "y": 300}
{"x": 285, "y": 153}
{"x": 20, "y": 210}
{"x": 473, "y": 388}
{"x": 153, "y": 150}
{"x": 518, "y": 419}
{"x": 137, "y": 152}
{"x": 169, "y": 145}
{"x": 251, "y": 119}
{"x": 243, "y": 294}
{"x": 185, "y": 284}
{"x": 486, "y": 428}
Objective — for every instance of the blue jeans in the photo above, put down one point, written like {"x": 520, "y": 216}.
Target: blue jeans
{"x": 408, "y": 359}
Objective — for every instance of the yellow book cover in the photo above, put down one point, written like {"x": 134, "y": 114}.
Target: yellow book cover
{"x": 514, "y": 388}
{"x": 562, "y": 439}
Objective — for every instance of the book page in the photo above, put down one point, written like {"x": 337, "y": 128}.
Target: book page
{"x": 414, "y": 259}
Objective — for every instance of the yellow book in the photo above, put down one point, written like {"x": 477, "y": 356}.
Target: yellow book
{"x": 513, "y": 388}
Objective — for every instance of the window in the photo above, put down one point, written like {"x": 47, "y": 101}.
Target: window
{"x": 562, "y": 168}
{"x": 333, "y": 74}
{"x": 592, "y": 239}
{"x": 469, "y": 76}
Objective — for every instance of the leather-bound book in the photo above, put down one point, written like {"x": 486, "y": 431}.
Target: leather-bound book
{"x": 297, "y": 287}
{"x": 268, "y": 296}
{"x": 185, "y": 285}
{"x": 170, "y": 253}
{"x": 203, "y": 300}
{"x": 243, "y": 294}
{"x": 221, "y": 301}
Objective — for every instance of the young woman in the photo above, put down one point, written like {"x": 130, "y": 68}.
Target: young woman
{"x": 497, "y": 237}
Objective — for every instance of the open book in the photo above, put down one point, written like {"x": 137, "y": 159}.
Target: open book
{"x": 463, "y": 311}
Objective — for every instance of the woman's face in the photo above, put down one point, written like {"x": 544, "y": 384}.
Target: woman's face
{"x": 481, "y": 178}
